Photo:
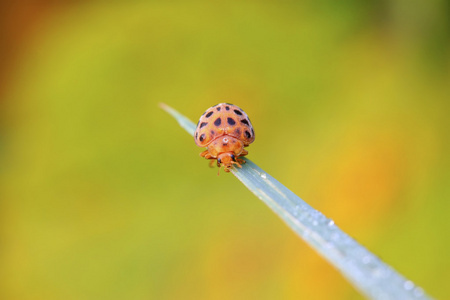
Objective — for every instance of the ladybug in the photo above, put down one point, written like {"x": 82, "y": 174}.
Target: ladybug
{"x": 225, "y": 130}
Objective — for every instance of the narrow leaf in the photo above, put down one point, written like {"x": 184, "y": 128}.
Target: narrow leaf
{"x": 372, "y": 277}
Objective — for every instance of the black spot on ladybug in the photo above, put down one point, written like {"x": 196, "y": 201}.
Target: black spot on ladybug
{"x": 227, "y": 107}
{"x": 217, "y": 122}
{"x": 196, "y": 135}
{"x": 202, "y": 137}
{"x": 213, "y": 132}
{"x": 237, "y": 112}
{"x": 209, "y": 114}
{"x": 245, "y": 122}
{"x": 237, "y": 132}
{"x": 224, "y": 144}
{"x": 203, "y": 124}
{"x": 231, "y": 121}
{"x": 247, "y": 134}
{"x": 218, "y": 109}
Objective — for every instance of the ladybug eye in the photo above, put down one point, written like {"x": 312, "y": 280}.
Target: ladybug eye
{"x": 219, "y": 160}
{"x": 233, "y": 157}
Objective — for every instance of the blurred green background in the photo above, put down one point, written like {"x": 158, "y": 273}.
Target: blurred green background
{"x": 104, "y": 196}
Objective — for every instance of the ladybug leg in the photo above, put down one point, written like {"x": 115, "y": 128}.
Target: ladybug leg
{"x": 208, "y": 155}
{"x": 243, "y": 153}
{"x": 211, "y": 162}
{"x": 239, "y": 161}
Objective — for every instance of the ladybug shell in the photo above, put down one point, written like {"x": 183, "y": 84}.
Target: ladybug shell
{"x": 224, "y": 119}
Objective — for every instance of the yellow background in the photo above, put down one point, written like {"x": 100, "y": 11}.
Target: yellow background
{"x": 104, "y": 196}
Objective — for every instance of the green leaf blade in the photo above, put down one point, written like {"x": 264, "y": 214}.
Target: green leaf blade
{"x": 371, "y": 276}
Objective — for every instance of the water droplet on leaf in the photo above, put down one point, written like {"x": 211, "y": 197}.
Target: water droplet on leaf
{"x": 408, "y": 285}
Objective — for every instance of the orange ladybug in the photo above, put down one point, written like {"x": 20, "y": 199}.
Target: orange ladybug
{"x": 225, "y": 130}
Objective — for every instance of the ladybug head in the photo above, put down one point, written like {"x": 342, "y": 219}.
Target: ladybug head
{"x": 226, "y": 159}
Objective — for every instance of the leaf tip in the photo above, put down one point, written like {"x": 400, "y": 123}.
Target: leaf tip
{"x": 163, "y": 106}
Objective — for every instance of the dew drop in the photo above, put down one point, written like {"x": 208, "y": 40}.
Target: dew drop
{"x": 331, "y": 223}
{"x": 418, "y": 292}
{"x": 408, "y": 285}
{"x": 263, "y": 176}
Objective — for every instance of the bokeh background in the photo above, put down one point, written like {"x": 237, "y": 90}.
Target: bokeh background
{"x": 104, "y": 196}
